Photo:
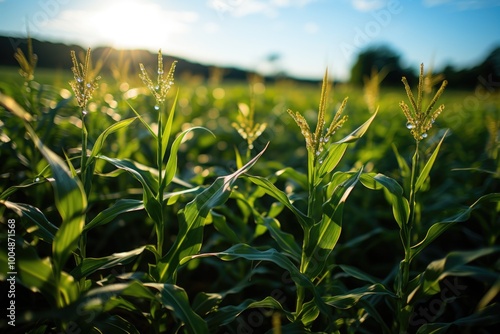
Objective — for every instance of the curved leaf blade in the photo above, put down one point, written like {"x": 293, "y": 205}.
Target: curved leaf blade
{"x": 102, "y": 137}
{"x": 439, "y": 228}
{"x": 71, "y": 203}
{"x": 91, "y": 265}
{"x": 190, "y": 236}
{"x": 279, "y": 195}
{"x": 324, "y": 235}
{"x": 175, "y": 298}
{"x": 428, "y": 166}
{"x": 42, "y": 228}
{"x": 119, "y": 207}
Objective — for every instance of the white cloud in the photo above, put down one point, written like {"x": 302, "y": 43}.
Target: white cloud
{"x": 124, "y": 24}
{"x": 311, "y": 27}
{"x": 239, "y": 8}
{"x": 432, "y": 3}
{"x": 463, "y": 4}
{"x": 368, "y": 5}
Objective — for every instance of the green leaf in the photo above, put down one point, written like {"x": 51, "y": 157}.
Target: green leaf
{"x": 292, "y": 174}
{"x": 483, "y": 318}
{"x": 10, "y": 104}
{"x": 146, "y": 176}
{"x": 102, "y": 137}
{"x": 324, "y": 235}
{"x": 394, "y": 192}
{"x": 358, "y": 133}
{"x": 243, "y": 251}
{"x": 114, "y": 324}
{"x": 171, "y": 167}
{"x": 279, "y": 195}
{"x": 227, "y": 314}
{"x": 90, "y": 265}
{"x": 37, "y": 274}
{"x": 71, "y": 203}
{"x": 143, "y": 122}
{"x": 119, "y": 207}
{"x": 404, "y": 169}
{"x": 167, "y": 130}
{"x": 334, "y": 154}
{"x": 42, "y": 228}
{"x": 190, "y": 235}
{"x": 250, "y": 253}
{"x": 223, "y": 228}
{"x": 439, "y": 228}
{"x": 176, "y": 299}
{"x": 351, "y": 298}
{"x": 285, "y": 241}
{"x": 358, "y": 274}
{"x": 428, "y": 166}
{"x": 439, "y": 269}
{"x": 25, "y": 184}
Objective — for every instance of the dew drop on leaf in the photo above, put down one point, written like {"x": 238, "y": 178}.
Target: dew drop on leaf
{"x": 84, "y": 112}
{"x": 409, "y": 125}
{"x": 157, "y": 107}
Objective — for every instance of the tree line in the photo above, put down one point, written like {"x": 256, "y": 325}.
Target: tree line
{"x": 381, "y": 58}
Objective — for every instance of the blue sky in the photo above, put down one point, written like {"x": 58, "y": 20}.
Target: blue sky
{"x": 308, "y": 35}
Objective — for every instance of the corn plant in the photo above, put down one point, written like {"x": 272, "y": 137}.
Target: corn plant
{"x": 408, "y": 291}
{"x": 321, "y": 221}
{"x": 285, "y": 259}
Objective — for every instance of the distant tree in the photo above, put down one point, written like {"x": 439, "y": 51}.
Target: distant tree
{"x": 486, "y": 73}
{"x": 380, "y": 57}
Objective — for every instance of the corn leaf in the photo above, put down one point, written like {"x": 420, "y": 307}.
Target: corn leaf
{"x": 279, "y": 195}
{"x": 394, "y": 192}
{"x": 114, "y": 324}
{"x": 223, "y": 228}
{"x": 334, "y": 154}
{"x": 91, "y": 265}
{"x": 428, "y": 166}
{"x": 71, "y": 203}
{"x": 102, "y": 137}
{"x": 146, "y": 176}
{"x": 41, "y": 227}
{"x": 285, "y": 240}
{"x": 175, "y": 298}
{"x": 244, "y": 251}
{"x": 352, "y": 297}
{"x": 171, "y": 167}
{"x": 428, "y": 283}
{"x": 119, "y": 207}
{"x": 439, "y": 228}
{"x": 358, "y": 133}
{"x": 37, "y": 274}
{"x": 167, "y": 130}
{"x": 143, "y": 121}
{"x": 324, "y": 235}
{"x": 190, "y": 236}
{"x": 483, "y": 318}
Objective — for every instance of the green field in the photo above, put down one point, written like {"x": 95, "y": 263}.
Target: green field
{"x": 360, "y": 235}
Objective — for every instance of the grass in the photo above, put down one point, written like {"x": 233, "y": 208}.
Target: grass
{"x": 201, "y": 207}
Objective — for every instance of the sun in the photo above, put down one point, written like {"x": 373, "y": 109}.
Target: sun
{"x": 133, "y": 24}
